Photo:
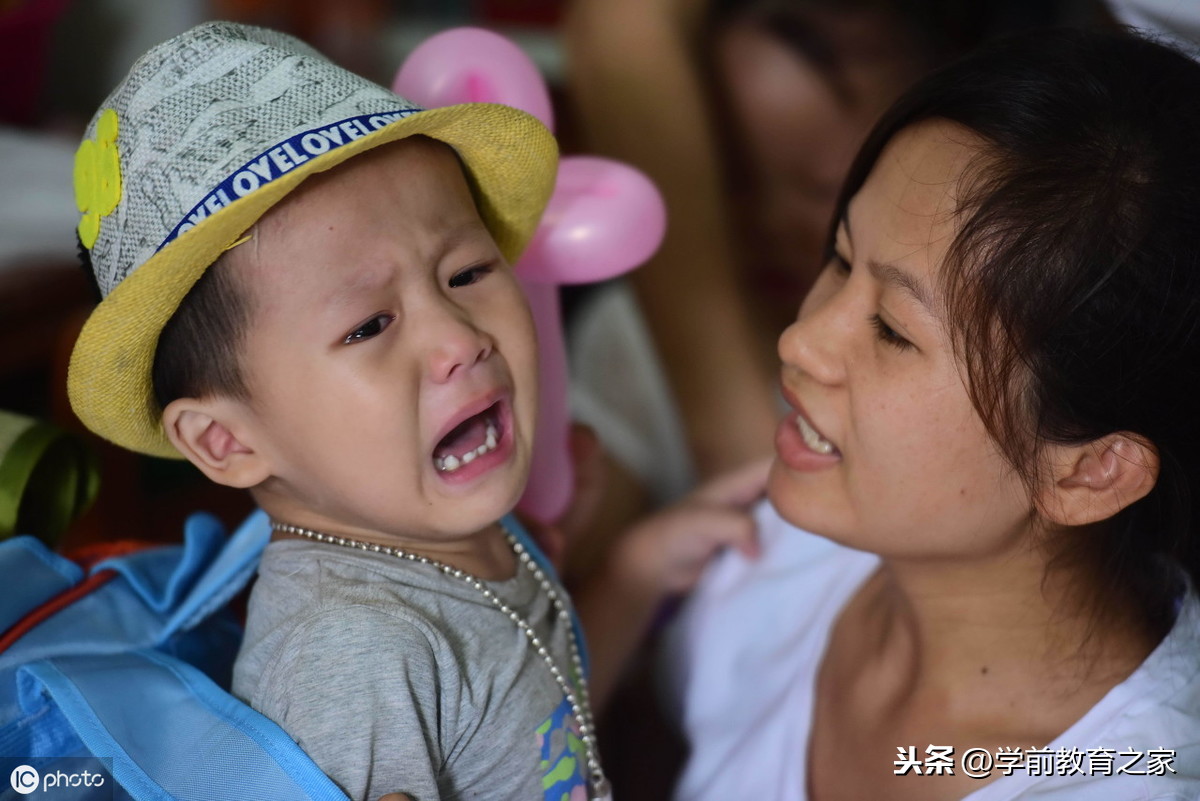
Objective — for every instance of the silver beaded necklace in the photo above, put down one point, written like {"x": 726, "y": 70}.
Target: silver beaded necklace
{"x": 581, "y": 708}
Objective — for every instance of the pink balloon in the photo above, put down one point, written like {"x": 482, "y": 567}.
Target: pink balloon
{"x": 551, "y": 472}
{"x": 604, "y": 219}
{"x": 471, "y": 65}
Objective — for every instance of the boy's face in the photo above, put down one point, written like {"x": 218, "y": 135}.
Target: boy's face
{"x": 390, "y": 354}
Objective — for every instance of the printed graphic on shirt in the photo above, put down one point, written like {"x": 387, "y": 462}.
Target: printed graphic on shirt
{"x": 564, "y": 765}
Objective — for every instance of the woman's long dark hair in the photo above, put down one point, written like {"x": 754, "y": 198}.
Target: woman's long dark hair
{"x": 1073, "y": 284}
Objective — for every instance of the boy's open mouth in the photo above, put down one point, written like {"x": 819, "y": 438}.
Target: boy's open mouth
{"x": 470, "y": 439}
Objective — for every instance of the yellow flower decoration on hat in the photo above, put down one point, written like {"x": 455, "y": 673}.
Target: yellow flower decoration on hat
{"x": 97, "y": 177}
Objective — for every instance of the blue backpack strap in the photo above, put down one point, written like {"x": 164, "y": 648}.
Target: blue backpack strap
{"x": 172, "y": 734}
{"x": 171, "y": 597}
{"x": 226, "y": 575}
{"x": 511, "y": 523}
{"x": 209, "y": 572}
{"x": 43, "y": 575}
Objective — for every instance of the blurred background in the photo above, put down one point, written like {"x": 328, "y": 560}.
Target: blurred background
{"x": 745, "y": 113}
{"x": 746, "y": 127}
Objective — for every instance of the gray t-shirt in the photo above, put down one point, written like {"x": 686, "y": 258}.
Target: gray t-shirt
{"x": 396, "y": 678}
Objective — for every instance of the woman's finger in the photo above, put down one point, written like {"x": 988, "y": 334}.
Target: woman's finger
{"x": 739, "y": 487}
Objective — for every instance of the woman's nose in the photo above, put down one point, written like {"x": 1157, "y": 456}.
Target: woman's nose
{"x": 817, "y": 343}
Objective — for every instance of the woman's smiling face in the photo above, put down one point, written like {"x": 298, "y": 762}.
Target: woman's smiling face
{"x": 883, "y": 450}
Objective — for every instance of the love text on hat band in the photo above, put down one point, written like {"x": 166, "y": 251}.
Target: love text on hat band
{"x": 282, "y": 159}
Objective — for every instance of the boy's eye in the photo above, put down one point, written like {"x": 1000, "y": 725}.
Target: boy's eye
{"x": 370, "y": 328}
{"x": 469, "y": 275}
{"x": 888, "y": 334}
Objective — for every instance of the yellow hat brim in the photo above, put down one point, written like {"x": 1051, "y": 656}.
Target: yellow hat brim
{"x": 511, "y": 160}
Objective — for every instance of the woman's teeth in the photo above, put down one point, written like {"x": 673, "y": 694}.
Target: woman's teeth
{"x": 448, "y": 464}
{"x": 812, "y": 439}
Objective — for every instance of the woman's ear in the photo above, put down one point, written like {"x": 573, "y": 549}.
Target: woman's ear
{"x": 214, "y": 435}
{"x": 1095, "y": 480}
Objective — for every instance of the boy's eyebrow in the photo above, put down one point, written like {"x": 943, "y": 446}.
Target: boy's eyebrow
{"x": 371, "y": 279}
{"x": 363, "y": 281}
{"x": 892, "y": 275}
{"x": 455, "y": 236}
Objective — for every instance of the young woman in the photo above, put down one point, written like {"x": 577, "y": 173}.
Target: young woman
{"x": 994, "y": 433}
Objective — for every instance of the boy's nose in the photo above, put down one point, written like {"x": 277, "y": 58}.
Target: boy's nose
{"x": 455, "y": 344}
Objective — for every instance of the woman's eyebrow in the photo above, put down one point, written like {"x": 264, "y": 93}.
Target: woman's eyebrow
{"x": 891, "y": 275}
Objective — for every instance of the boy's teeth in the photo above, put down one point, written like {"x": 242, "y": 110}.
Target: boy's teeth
{"x": 811, "y": 438}
{"x": 448, "y": 464}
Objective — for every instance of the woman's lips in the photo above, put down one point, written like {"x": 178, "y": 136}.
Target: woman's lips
{"x": 799, "y": 444}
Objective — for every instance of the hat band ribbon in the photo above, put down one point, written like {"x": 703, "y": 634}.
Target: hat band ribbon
{"x": 282, "y": 158}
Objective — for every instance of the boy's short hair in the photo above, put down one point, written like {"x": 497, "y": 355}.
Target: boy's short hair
{"x": 198, "y": 353}
{"x": 207, "y": 132}
{"x": 199, "y": 348}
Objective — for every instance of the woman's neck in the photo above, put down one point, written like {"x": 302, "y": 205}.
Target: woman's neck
{"x": 993, "y": 654}
{"x": 998, "y": 640}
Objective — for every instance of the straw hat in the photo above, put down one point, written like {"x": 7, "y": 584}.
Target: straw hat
{"x": 207, "y": 132}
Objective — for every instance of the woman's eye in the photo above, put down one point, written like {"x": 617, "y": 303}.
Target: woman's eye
{"x": 888, "y": 334}
{"x": 370, "y": 328}
{"x": 469, "y": 275}
{"x": 838, "y": 262}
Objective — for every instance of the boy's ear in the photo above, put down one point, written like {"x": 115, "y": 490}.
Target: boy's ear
{"x": 207, "y": 433}
{"x": 1095, "y": 480}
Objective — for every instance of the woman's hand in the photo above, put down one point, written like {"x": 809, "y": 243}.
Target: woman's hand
{"x": 666, "y": 553}
{"x": 661, "y": 556}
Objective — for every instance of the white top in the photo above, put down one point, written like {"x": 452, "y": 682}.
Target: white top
{"x": 740, "y": 665}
